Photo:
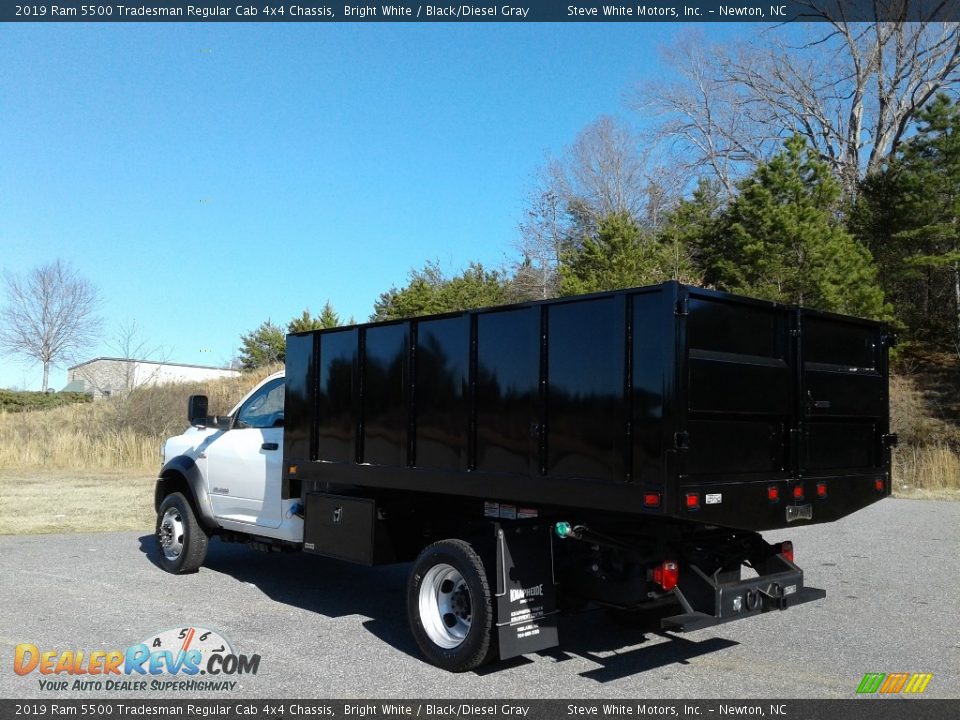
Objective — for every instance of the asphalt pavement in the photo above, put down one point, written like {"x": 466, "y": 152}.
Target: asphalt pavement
{"x": 325, "y": 628}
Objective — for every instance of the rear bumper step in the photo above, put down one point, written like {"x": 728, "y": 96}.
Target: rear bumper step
{"x": 707, "y": 601}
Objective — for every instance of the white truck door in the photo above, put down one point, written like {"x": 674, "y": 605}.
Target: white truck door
{"x": 244, "y": 463}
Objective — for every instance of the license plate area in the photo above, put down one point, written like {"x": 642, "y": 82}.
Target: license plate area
{"x": 799, "y": 512}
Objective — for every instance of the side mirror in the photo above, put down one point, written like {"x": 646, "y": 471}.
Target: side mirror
{"x": 197, "y": 410}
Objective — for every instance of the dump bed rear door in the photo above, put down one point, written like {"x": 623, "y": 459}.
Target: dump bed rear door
{"x": 843, "y": 395}
{"x": 775, "y": 392}
{"x": 740, "y": 389}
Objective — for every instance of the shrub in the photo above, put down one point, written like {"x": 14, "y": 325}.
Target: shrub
{"x": 18, "y": 401}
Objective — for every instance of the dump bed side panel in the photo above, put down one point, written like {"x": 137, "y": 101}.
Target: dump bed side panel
{"x": 653, "y": 385}
{"x": 507, "y": 425}
{"x": 529, "y": 404}
{"x": 585, "y": 417}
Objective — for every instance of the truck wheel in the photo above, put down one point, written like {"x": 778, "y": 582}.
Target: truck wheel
{"x": 450, "y": 606}
{"x": 182, "y": 542}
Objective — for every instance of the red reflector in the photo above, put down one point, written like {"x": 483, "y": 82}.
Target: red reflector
{"x": 651, "y": 499}
{"x": 666, "y": 574}
{"x": 798, "y": 492}
{"x": 786, "y": 549}
{"x": 878, "y": 484}
{"x": 773, "y": 493}
{"x": 693, "y": 501}
{"x": 821, "y": 489}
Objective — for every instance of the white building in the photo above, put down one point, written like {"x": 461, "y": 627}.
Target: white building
{"x": 103, "y": 376}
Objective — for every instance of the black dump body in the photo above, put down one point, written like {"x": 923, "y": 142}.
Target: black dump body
{"x": 629, "y": 402}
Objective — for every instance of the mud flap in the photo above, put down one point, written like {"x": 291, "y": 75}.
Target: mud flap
{"x": 526, "y": 598}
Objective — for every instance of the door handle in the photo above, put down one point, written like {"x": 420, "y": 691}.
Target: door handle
{"x": 269, "y": 446}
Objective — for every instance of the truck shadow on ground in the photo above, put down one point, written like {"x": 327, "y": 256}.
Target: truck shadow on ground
{"x": 340, "y": 589}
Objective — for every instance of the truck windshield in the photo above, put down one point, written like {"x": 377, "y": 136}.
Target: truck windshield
{"x": 264, "y": 409}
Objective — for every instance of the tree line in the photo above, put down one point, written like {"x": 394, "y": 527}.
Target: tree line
{"x": 815, "y": 164}
{"x": 788, "y": 232}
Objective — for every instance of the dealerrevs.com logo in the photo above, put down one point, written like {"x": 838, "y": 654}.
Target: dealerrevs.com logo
{"x": 185, "y": 659}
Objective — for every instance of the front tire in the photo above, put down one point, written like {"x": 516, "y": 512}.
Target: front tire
{"x": 450, "y": 607}
{"x": 180, "y": 538}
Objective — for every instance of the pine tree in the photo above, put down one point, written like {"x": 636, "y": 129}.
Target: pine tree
{"x": 688, "y": 228}
{"x": 304, "y": 323}
{"x": 328, "y": 318}
{"x": 781, "y": 239}
{"x": 911, "y": 211}
{"x": 618, "y": 256}
{"x": 263, "y": 346}
{"x": 429, "y": 291}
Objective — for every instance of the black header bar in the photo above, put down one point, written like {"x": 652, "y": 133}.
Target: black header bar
{"x": 760, "y": 11}
{"x": 240, "y": 709}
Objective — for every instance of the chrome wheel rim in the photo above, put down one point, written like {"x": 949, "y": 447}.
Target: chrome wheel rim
{"x": 170, "y": 534}
{"x": 445, "y": 606}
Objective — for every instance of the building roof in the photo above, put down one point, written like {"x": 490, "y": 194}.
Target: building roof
{"x": 151, "y": 362}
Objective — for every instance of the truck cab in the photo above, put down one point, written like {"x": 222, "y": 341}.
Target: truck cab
{"x": 228, "y": 469}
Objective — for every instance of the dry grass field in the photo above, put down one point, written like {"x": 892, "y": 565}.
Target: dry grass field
{"x": 56, "y": 501}
{"x": 927, "y": 461}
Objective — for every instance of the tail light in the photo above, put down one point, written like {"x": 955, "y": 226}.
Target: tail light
{"x": 821, "y": 489}
{"x": 798, "y": 492}
{"x": 651, "y": 499}
{"x": 786, "y": 549}
{"x": 878, "y": 484}
{"x": 773, "y": 494}
{"x": 666, "y": 574}
{"x": 693, "y": 501}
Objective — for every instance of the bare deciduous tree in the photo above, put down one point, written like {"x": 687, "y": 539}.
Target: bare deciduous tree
{"x": 541, "y": 243}
{"x": 851, "y": 88}
{"x": 132, "y": 346}
{"x": 605, "y": 169}
{"x": 608, "y": 170}
{"x": 142, "y": 366}
{"x": 51, "y": 313}
{"x": 705, "y": 120}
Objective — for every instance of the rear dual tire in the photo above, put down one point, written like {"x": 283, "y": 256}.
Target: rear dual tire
{"x": 450, "y": 607}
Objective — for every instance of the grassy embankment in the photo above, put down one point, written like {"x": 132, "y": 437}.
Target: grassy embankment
{"x": 91, "y": 466}
{"x": 927, "y": 461}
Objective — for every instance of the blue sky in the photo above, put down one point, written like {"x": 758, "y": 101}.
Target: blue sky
{"x": 206, "y": 177}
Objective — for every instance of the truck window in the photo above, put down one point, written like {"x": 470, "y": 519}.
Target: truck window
{"x": 264, "y": 409}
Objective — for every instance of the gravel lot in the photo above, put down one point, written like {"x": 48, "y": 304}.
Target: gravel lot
{"x": 330, "y": 629}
